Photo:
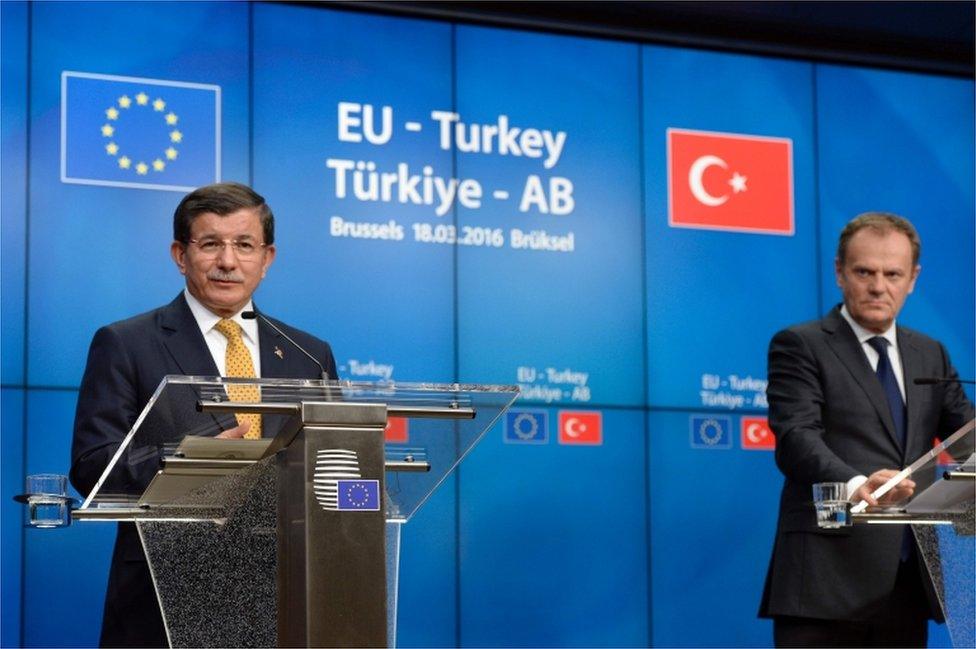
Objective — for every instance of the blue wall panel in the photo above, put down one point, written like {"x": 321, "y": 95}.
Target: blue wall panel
{"x": 939, "y": 635}
{"x": 560, "y": 545}
{"x": 65, "y": 570}
{"x": 11, "y": 513}
{"x": 902, "y": 143}
{"x": 13, "y": 177}
{"x": 116, "y": 237}
{"x": 554, "y": 540}
{"x": 713, "y": 516}
{"x": 427, "y": 614}
{"x": 714, "y": 298}
{"x": 574, "y": 313}
{"x": 389, "y": 302}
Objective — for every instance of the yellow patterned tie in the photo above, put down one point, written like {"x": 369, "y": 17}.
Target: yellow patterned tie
{"x": 239, "y": 363}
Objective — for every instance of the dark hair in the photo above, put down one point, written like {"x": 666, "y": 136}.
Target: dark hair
{"x": 880, "y": 222}
{"x": 221, "y": 199}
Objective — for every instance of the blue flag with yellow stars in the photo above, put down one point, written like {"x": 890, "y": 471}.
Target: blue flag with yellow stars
{"x": 359, "y": 495}
{"x": 134, "y": 132}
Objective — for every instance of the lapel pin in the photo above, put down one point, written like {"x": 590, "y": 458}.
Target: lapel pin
{"x": 280, "y": 354}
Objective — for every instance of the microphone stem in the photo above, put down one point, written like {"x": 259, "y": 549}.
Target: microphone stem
{"x": 325, "y": 375}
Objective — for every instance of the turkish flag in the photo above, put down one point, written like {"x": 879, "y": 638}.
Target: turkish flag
{"x": 579, "y": 427}
{"x": 725, "y": 181}
{"x": 757, "y": 435}
{"x": 944, "y": 458}
{"x": 396, "y": 429}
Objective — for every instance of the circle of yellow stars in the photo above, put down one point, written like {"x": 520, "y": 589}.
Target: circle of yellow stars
{"x": 141, "y": 167}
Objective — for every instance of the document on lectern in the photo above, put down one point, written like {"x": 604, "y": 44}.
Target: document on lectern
{"x": 174, "y": 482}
{"x": 213, "y": 448}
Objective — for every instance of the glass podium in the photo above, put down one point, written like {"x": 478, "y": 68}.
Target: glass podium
{"x": 941, "y": 515}
{"x": 292, "y": 539}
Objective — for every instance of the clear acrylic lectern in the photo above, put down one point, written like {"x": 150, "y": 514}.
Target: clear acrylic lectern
{"x": 941, "y": 513}
{"x": 291, "y": 539}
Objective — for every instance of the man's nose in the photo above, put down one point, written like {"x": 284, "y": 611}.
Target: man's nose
{"x": 876, "y": 284}
{"x": 227, "y": 258}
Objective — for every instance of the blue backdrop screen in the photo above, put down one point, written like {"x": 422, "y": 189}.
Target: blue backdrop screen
{"x": 716, "y": 296}
{"x": 384, "y": 300}
{"x": 616, "y": 228}
{"x": 554, "y": 304}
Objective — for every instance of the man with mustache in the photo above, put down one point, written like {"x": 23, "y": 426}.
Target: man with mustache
{"x": 223, "y": 244}
{"x": 844, "y": 408}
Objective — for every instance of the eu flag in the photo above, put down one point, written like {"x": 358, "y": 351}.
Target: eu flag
{"x": 359, "y": 495}
{"x": 144, "y": 133}
{"x": 711, "y": 432}
{"x": 526, "y": 426}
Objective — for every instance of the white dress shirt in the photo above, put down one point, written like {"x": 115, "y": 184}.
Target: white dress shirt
{"x": 863, "y": 336}
{"x": 216, "y": 341}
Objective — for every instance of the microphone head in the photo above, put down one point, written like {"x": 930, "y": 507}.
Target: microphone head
{"x": 249, "y": 315}
{"x": 926, "y": 381}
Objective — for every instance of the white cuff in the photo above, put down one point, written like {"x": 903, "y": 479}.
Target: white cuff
{"x": 854, "y": 483}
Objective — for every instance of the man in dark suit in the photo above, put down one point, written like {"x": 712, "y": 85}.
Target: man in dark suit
{"x": 844, "y": 408}
{"x": 223, "y": 244}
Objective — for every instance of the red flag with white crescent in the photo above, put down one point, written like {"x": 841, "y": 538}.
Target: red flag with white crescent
{"x": 726, "y": 181}
{"x": 757, "y": 435}
{"x": 580, "y": 427}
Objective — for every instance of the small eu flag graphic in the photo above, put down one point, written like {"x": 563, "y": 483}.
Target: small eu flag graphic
{"x": 142, "y": 133}
{"x": 359, "y": 495}
{"x": 711, "y": 432}
{"x": 526, "y": 426}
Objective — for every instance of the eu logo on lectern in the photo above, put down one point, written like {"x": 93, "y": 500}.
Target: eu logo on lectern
{"x": 359, "y": 495}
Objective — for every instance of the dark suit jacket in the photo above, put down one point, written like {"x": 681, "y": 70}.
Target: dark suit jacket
{"x": 831, "y": 420}
{"x": 126, "y": 362}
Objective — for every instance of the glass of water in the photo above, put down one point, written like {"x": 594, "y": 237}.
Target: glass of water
{"x": 830, "y": 501}
{"x": 47, "y": 500}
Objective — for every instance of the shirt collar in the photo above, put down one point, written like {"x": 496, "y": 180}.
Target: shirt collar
{"x": 863, "y": 335}
{"x": 207, "y": 319}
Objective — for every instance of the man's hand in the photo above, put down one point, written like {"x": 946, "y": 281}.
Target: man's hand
{"x": 901, "y": 491}
{"x": 238, "y": 432}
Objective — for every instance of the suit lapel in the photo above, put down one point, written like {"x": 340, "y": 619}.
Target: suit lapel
{"x": 844, "y": 344}
{"x": 279, "y": 360}
{"x": 911, "y": 366}
{"x": 184, "y": 341}
{"x": 274, "y": 355}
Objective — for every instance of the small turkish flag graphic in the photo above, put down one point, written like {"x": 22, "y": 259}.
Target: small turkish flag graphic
{"x": 725, "y": 181}
{"x": 756, "y": 434}
{"x": 944, "y": 458}
{"x": 580, "y": 427}
{"x": 396, "y": 429}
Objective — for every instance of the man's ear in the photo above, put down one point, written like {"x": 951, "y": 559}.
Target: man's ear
{"x": 269, "y": 255}
{"x": 915, "y": 272}
{"x": 178, "y": 252}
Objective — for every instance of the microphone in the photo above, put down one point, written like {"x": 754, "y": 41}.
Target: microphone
{"x": 935, "y": 380}
{"x": 251, "y": 315}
